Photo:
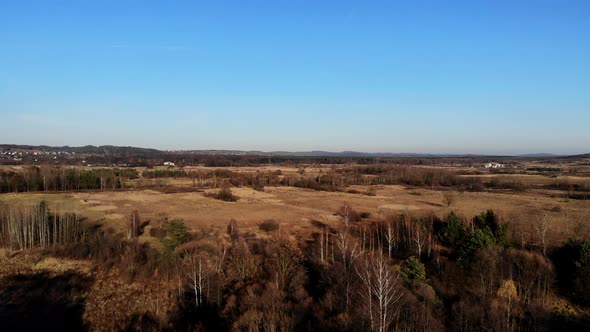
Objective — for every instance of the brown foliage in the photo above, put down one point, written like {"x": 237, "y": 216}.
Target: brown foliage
{"x": 269, "y": 225}
{"x": 224, "y": 194}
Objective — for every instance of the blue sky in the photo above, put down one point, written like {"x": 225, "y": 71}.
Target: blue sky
{"x": 408, "y": 76}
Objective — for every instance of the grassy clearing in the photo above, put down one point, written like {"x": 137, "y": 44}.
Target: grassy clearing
{"x": 295, "y": 207}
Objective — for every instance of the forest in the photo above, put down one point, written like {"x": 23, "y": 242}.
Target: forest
{"x": 36, "y": 178}
{"x": 47, "y": 178}
{"x": 404, "y": 272}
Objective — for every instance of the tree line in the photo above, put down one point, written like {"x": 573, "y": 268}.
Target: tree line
{"x": 63, "y": 179}
{"x": 337, "y": 179}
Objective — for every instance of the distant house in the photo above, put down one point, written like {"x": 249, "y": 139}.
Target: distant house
{"x": 493, "y": 165}
{"x": 169, "y": 163}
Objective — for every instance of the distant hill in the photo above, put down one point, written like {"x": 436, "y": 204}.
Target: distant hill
{"x": 578, "y": 156}
{"x": 88, "y": 149}
{"x": 352, "y": 154}
{"x": 361, "y": 154}
{"x": 543, "y": 155}
{"x": 137, "y": 151}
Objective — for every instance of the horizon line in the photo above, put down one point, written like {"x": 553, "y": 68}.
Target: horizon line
{"x": 541, "y": 154}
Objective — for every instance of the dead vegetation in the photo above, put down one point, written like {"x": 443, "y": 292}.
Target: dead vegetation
{"x": 224, "y": 194}
{"x": 352, "y": 257}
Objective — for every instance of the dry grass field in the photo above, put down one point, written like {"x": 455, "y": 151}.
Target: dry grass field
{"x": 295, "y": 208}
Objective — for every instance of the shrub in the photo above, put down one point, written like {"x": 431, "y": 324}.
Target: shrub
{"x": 413, "y": 272}
{"x": 346, "y": 211}
{"x": 258, "y": 187}
{"x": 480, "y": 238}
{"x": 365, "y": 215}
{"x": 451, "y": 233}
{"x": 476, "y": 187}
{"x": 176, "y": 234}
{"x": 157, "y": 233}
{"x": 269, "y": 225}
{"x": 232, "y": 229}
{"x": 449, "y": 198}
{"x": 224, "y": 194}
{"x": 490, "y": 221}
{"x": 487, "y": 232}
{"x": 4, "y": 254}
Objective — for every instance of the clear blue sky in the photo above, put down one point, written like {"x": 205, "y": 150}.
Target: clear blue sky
{"x": 393, "y": 76}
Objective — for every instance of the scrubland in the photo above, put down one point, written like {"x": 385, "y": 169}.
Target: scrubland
{"x": 310, "y": 247}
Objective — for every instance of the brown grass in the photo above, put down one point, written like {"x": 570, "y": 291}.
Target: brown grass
{"x": 296, "y": 207}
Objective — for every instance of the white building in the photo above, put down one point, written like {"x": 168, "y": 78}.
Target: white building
{"x": 493, "y": 165}
{"x": 169, "y": 163}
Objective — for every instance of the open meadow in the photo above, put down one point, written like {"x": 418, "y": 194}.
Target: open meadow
{"x": 296, "y": 209}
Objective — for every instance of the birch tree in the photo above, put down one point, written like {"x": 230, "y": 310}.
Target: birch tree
{"x": 196, "y": 271}
{"x": 382, "y": 291}
{"x": 389, "y": 237}
{"x": 542, "y": 228}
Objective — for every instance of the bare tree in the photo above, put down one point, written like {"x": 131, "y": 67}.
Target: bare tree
{"x": 196, "y": 270}
{"x": 346, "y": 214}
{"x": 284, "y": 262}
{"x": 218, "y": 265}
{"x": 542, "y": 228}
{"x": 324, "y": 244}
{"x": 418, "y": 237}
{"x": 242, "y": 264}
{"x": 133, "y": 225}
{"x": 389, "y": 237}
{"x": 232, "y": 229}
{"x": 382, "y": 291}
{"x": 365, "y": 274}
{"x": 349, "y": 251}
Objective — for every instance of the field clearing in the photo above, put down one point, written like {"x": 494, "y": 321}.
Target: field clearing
{"x": 296, "y": 208}
{"x": 532, "y": 179}
{"x": 249, "y": 169}
{"x": 66, "y": 201}
{"x": 159, "y": 182}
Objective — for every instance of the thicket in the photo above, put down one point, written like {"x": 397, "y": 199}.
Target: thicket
{"x": 573, "y": 265}
{"x": 223, "y": 194}
{"x": 164, "y": 173}
{"x": 399, "y": 272}
{"x": 26, "y": 227}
